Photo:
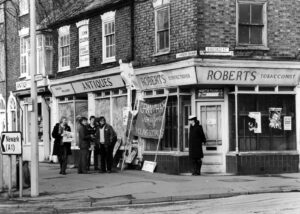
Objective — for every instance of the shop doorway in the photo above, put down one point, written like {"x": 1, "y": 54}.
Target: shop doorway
{"x": 211, "y": 117}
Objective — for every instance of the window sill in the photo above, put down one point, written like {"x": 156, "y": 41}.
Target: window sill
{"x": 23, "y": 14}
{"x": 109, "y": 60}
{"x": 64, "y": 69}
{"x": 258, "y": 48}
{"x": 161, "y": 53}
{"x": 84, "y": 66}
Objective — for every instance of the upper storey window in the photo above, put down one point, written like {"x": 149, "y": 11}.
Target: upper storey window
{"x": 252, "y": 24}
{"x": 162, "y": 26}
{"x": 23, "y": 7}
{"x": 108, "y": 37}
{"x": 64, "y": 48}
{"x": 1, "y": 13}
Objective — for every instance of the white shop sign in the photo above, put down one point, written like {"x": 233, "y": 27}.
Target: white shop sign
{"x": 11, "y": 143}
{"x": 62, "y": 90}
{"x": 247, "y": 76}
{"x": 84, "y": 57}
{"x": 184, "y": 76}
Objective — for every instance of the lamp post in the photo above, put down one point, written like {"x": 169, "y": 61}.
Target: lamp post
{"x": 33, "y": 105}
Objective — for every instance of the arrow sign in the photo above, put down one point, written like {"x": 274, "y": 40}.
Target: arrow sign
{"x": 11, "y": 143}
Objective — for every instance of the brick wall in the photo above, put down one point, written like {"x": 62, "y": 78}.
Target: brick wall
{"x": 183, "y": 31}
{"x": 217, "y": 27}
{"x": 123, "y": 43}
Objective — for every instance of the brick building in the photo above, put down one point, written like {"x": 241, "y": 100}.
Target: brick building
{"x": 234, "y": 64}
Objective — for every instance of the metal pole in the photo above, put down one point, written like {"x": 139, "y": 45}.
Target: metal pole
{"x": 34, "y": 123}
{"x": 10, "y": 177}
{"x": 236, "y": 120}
{"x": 20, "y": 176}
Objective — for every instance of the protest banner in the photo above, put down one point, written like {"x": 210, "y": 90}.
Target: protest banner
{"x": 149, "y": 121}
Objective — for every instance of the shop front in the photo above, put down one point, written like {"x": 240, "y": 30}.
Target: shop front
{"x": 87, "y": 95}
{"x": 248, "y": 114}
{"x": 261, "y": 124}
{"x": 21, "y": 98}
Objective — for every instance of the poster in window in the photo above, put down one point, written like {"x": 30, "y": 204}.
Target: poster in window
{"x": 254, "y": 122}
{"x": 287, "y": 123}
{"x": 275, "y": 118}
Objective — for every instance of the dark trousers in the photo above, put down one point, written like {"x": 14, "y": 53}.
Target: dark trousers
{"x": 197, "y": 163}
{"x": 96, "y": 157}
{"x": 83, "y": 160}
{"x": 63, "y": 159}
{"x": 106, "y": 153}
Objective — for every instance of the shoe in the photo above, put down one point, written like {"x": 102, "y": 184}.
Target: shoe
{"x": 63, "y": 173}
{"x": 102, "y": 171}
{"x": 60, "y": 172}
{"x": 109, "y": 171}
{"x": 96, "y": 169}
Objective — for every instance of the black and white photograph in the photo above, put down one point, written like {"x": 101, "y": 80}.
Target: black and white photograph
{"x": 150, "y": 106}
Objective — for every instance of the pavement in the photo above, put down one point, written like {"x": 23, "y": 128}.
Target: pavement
{"x": 74, "y": 192}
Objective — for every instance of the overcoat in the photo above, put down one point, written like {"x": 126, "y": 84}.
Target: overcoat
{"x": 196, "y": 138}
{"x": 58, "y": 147}
{"x": 84, "y": 137}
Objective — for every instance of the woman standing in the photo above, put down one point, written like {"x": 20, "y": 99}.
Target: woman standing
{"x": 61, "y": 149}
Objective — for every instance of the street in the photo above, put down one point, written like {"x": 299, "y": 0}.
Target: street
{"x": 272, "y": 203}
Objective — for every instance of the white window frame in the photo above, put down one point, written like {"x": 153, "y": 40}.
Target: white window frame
{"x": 83, "y": 43}
{"x": 107, "y": 18}
{"x": 63, "y": 32}
{"x": 24, "y": 52}
{"x": 264, "y": 29}
{"x": 164, "y": 6}
{"x": 23, "y": 7}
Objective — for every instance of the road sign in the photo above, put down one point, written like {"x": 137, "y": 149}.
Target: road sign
{"x": 11, "y": 143}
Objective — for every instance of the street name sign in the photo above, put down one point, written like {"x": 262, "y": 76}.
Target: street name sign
{"x": 11, "y": 143}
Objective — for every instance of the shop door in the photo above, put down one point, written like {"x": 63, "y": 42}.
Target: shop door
{"x": 211, "y": 116}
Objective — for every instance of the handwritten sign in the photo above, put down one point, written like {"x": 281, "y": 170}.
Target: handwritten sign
{"x": 150, "y": 119}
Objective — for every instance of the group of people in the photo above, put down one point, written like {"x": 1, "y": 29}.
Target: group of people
{"x": 98, "y": 136}
{"x": 101, "y": 137}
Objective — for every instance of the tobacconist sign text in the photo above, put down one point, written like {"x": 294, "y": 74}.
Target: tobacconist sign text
{"x": 184, "y": 76}
{"x": 215, "y": 75}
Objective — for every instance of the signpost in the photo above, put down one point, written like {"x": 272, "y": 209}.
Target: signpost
{"x": 11, "y": 144}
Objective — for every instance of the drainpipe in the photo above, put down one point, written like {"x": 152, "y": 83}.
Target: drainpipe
{"x": 132, "y": 30}
{"x": 5, "y": 55}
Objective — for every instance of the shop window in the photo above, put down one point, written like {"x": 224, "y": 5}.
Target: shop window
{"x": 108, "y": 37}
{"x": 186, "y": 113}
{"x": 64, "y": 48}
{"x": 251, "y": 23}
{"x": 265, "y": 122}
{"x": 40, "y": 123}
{"x": 162, "y": 28}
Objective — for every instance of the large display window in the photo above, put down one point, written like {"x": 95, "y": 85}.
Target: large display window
{"x": 266, "y": 122}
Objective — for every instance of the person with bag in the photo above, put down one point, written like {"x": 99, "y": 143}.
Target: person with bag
{"x": 61, "y": 149}
{"x": 106, "y": 138}
{"x": 196, "y": 139}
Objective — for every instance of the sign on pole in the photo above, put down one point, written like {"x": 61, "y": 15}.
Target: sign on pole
{"x": 11, "y": 143}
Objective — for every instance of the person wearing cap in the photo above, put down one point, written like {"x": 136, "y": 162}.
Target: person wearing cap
{"x": 84, "y": 145}
{"x": 196, "y": 139}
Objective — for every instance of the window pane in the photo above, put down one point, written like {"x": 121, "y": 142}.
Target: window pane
{"x": 256, "y": 35}
{"x": 107, "y": 52}
{"x": 162, "y": 19}
{"x": 244, "y": 13}
{"x": 256, "y": 14}
{"x": 113, "y": 27}
{"x": 244, "y": 34}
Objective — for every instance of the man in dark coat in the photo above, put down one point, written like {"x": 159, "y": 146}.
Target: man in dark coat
{"x": 196, "y": 138}
{"x": 84, "y": 145}
{"x": 106, "y": 138}
{"x": 92, "y": 127}
{"x": 61, "y": 149}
